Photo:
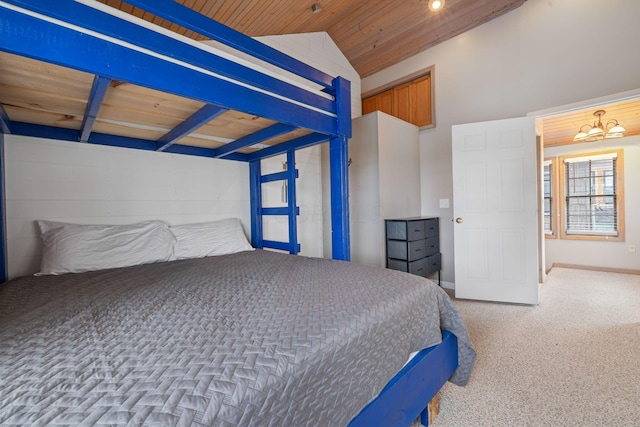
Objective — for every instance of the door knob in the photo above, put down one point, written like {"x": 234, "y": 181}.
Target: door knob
{"x": 459, "y": 220}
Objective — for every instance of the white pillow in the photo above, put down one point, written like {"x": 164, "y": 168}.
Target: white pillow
{"x": 221, "y": 237}
{"x": 75, "y": 248}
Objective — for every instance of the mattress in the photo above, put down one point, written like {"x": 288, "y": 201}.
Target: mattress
{"x": 253, "y": 338}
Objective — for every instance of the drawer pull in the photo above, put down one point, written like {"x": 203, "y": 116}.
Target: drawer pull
{"x": 418, "y": 249}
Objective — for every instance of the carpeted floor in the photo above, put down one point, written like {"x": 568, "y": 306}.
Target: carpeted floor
{"x": 573, "y": 360}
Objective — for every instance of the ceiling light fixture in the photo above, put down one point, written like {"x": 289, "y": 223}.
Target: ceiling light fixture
{"x": 316, "y": 7}
{"x": 436, "y": 4}
{"x": 599, "y": 131}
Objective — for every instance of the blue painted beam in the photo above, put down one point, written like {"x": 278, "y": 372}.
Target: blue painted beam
{"x": 282, "y": 246}
{"x": 96, "y": 96}
{"x": 409, "y": 392}
{"x": 41, "y": 131}
{"x": 343, "y": 101}
{"x": 278, "y": 176}
{"x": 202, "y": 152}
{"x": 28, "y": 36}
{"x": 198, "y": 119}
{"x": 176, "y": 13}
{"x": 3, "y": 217}
{"x": 5, "y": 123}
{"x": 292, "y": 209}
{"x": 104, "y": 23}
{"x": 254, "y": 138}
{"x": 255, "y": 189}
{"x": 338, "y": 166}
{"x": 285, "y": 210}
{"x": 294, "y": 144}
{"x": 121, "y": 141}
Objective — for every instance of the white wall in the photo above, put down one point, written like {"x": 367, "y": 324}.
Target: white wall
{"x": 384, "y": 182}
{"x": 533, "y": 58}
{"x": 602, "y": 253}
{"x": 92, "y": 184}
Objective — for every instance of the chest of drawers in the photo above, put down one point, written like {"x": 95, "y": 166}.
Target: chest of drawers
{"x": 413, "y": 245}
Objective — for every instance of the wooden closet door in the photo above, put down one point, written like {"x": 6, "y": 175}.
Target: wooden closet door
{"x": 402, "y": 102}
{"x": 420, "y": 93}
{"x": 369, "y": 105}
{"x": 380, "y": 102}
{"x": 384, "y": 102}
{"x": 410, "y": 102}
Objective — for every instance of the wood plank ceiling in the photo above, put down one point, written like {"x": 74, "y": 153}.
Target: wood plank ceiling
{"x": 560, "y": 129}
{"x": 46, "y": 94}
{"x": 372, "y": 34}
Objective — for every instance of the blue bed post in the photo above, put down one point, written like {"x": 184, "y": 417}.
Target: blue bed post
{"x": 3, "y": 233}
{"x": 255, "y": 187}
{"x": 338, "y": 166}
{"x": 292, "y": 204}
{"x": 338, "y": 157}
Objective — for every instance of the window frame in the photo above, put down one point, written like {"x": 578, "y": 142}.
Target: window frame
{"x": 619, "y": 183}
{"x": 554, "y": 199}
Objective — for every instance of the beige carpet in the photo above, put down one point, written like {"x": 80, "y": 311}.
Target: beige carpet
{"x": 573, "y": 360}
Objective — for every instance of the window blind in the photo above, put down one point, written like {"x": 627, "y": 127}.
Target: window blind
{"x": 591, "y": 195}
{"x": 548, "y": 220}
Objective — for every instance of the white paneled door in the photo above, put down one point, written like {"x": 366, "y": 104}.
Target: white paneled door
{"x": 495, "y": 211}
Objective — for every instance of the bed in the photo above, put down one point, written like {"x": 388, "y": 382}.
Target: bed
{"x": 251, "y": 338}
{"x": 84, "y": 38}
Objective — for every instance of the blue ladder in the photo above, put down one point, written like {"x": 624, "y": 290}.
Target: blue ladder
{"x": 289, "y": 176}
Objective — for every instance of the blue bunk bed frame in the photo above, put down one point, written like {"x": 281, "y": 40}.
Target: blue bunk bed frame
{"x": 63, "y": 32}
{"x": 26, "y": 32}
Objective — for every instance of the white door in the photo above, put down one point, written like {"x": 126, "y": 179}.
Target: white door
{"x": 495, "y": 211}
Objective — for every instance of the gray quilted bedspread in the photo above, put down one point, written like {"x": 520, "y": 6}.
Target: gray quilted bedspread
{"x": 255, "y": 338}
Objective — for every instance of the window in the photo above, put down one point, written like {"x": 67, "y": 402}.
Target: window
{"x": 593, "y": 196}
{"x": 548, "y": 197}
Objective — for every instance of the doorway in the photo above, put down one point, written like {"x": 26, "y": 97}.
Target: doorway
{"x": 558, "y": 126}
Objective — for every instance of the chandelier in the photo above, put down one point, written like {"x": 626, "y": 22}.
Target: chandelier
{"x": 599, "y": 131}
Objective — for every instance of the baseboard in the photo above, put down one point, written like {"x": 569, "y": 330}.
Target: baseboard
{"x": 448, "y": 285}
{"x": 595, "y": 268}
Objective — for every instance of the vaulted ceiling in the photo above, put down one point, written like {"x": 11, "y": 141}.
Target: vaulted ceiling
{"x": 372, "y": 34}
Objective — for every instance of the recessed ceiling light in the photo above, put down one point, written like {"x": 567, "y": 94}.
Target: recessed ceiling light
{"x": 316, "y": 7}
{"x": 436, "y": 4}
